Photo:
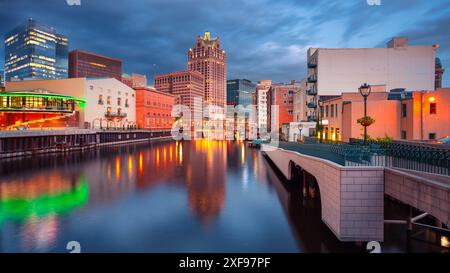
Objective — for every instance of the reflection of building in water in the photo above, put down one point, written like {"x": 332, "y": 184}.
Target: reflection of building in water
{"x": 206, "y": 191}
{"x": 37, "y": 202}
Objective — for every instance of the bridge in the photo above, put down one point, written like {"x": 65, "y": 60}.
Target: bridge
{"x": 352, "y": 188}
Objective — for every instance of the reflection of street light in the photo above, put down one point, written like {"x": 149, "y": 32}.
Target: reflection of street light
{"x": 365, "y": 90}
{"x": 320, "y": 121}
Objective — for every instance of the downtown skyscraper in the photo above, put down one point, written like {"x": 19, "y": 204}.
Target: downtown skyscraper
{"x": 35, "y": 51}
{"x": 208, "y": 58}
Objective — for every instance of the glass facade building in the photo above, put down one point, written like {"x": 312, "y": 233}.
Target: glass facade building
{"x": 240, "y": 92}
{"x": 2, "y": 78}
{"x": 35, "y": 51}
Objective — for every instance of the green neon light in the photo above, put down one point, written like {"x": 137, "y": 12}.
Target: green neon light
{"x": 59, "y": 203}
{"x": 35, "y": 95}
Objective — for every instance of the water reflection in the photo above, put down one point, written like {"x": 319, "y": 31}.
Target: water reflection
{"x": 36, "y": 202}
{"x": 199, "y": 196}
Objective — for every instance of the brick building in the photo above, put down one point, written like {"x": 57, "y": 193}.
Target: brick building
{"x": 153, "y": 109}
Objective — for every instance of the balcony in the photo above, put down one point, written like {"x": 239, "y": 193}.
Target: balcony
{"x": 115, "y": 115}
{"x": 312, "y": 64}
{"x": 312, "y": 91}
{"x": 312, "y": 104}
{"x": 312, "y": 79}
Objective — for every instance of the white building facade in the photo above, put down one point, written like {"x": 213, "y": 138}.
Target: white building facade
{"x": 332, "y": 71}
{"x": 262, "y": 105}
{"x": 109, "y": 103}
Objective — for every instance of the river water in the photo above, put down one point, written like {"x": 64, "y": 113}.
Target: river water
{"x": 199, "y": 196}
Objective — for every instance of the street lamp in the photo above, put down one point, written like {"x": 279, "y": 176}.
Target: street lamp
{"x": 365, "y": 90}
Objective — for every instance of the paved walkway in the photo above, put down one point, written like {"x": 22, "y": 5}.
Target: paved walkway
{"x": 317, "y": 150}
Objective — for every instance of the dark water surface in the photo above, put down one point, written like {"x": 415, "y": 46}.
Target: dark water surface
{"x": 203, "y": 196}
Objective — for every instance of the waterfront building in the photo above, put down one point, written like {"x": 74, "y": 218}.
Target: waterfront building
{"x": 109, "y": 102}
{"x": 38, "y": 109}
{"x": 399, "y": 65}
{"x": 35, "y": 51}
{"x": 263, "y": 106}
{"x": 153, "y": 108}
{"x": 240, "y": 92}
{"x": 416, "y": 115}
{"x": 300, "y": 109}
{"x": 188, "y": 88}
{"x": 282, "y": 97}
{"x": 208, "y": 58}
{"x": 83, "y": 64}
{"x": 134, "y": 80}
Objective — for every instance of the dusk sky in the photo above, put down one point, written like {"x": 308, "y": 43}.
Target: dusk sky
{"x": 263, "y": 39}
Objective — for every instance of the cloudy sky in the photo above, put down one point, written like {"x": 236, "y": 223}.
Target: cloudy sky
{"x": 263, "y": 39}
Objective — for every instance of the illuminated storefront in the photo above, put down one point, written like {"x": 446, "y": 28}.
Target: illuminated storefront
{"x": 38, "y": 108}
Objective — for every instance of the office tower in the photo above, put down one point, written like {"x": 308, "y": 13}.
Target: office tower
{"x": 208, "y": 58}
{"x": 240, "y": 92}
{"x": 35, "y": 51}
{"x": 83, "y": 64}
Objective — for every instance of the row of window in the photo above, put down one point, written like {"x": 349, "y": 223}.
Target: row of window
{"x": 432, "y": 111}
{"x": 431, "y": 136}
{"x": 330, "y": 111}
{"x": 108, "y": 101}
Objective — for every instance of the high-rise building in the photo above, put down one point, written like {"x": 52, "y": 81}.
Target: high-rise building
{"x": 2, "y": 78}
{"x": 208, "y": 58}
{"x": 240, "y": 92}
{"x": 439, "y": 74}
{"x": 188, "y": 87}
{"x": 263, "y": 106}
{"x": 300, "y": 109}
{"x": 332, "y": 71}
{"x": 83, "y": 64}
{"x": 35, "y": 51}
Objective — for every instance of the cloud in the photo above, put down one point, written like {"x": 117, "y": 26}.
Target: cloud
{"x": 263, "y": 39}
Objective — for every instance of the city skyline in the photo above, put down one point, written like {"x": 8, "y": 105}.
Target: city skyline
{"x": 271, "y": 45}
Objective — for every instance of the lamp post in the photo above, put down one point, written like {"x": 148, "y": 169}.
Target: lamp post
{"x": 365, "y": 90}
{"x": 320, "y": 116}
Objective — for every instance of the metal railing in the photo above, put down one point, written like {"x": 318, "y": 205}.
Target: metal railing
{"x": 409, "y": 156}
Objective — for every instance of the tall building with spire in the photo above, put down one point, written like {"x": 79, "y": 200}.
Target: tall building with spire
{"x": 208, "y": 58}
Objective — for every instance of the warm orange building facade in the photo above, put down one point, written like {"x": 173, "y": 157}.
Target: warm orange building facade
{"x": 417, "y": 115}
{"x": 208, "y": 58}
{"x": 153, "y": 109}
{"x": 282, "y": 96}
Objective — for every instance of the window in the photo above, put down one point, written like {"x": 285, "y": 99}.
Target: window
{"x": 336, "y": 110}
{"x": 91, "y": 87}
{"x": 108, "y": 100}
{"x": 100, "y": 99}
{"x": 332, "y": 110}
{"x": 126, "y": 103}
{"x": 403, "y": 134}
{"x": 326, "y": 111}
{"x": 433, "y": 109}
{"x": 119, "y": 101}
{"x": 432, "y": 136}
{"x": 403, "y": 110}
